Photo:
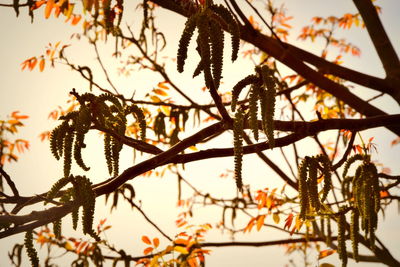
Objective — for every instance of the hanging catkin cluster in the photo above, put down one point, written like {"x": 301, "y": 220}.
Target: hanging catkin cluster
{"x": 366, "y": 195}
{"x": 262, "y": 91}
{"x": 80, "y": 192}
{"x": 103, "y": 111}
{"x": 308, "y": 186}
{"x": 209, "y": 21}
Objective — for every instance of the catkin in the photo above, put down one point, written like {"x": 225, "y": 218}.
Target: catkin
{"x": 238, "y": 147}
{"x": 303, "y": 192}
{"x": 354, "y": 228}
{"x": 342, "y": 238}
{"x": 30, "y": 249}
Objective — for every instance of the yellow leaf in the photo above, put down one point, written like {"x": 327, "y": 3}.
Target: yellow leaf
{"x": 68, "y": 246}
{"x": 194, "y": 148}
{"x": 155, "y": 99}
{"x": 276, "y": 218}
{"x": 299, "y": 223}
{"x": 166, "y": 110}
{"x": 181, "y": 250}
{"x": 154, "y": 262}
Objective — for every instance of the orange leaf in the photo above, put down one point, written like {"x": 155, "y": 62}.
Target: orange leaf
{"x": 325, "y": 253}
{"x": 192, "y": 262}
{"x": 75, "y": 19}
{"x": 160, "y": 92}
{"x": 32, "y": 63}
{"x": 250, "y": 225}
{"x": 41, "y": 65}
{"x": 18, "y": 117}
{"x": 49, "y": 7}
{"x": 37, "y": 4}
{"x": 156, "y": 242}
{"x": 162, "y": 85}
{"x": 260, "y": 222}
{"x": 147, "y": 250}
{"x": 181, "y": 241}
{"x": 384, "y": 194}
{"x": 146, "y": 240}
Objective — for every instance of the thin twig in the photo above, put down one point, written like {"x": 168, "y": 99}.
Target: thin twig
{"x": 9, "y": 182}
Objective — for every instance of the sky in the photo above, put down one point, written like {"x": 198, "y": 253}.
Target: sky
{"x": 36, "y": 94}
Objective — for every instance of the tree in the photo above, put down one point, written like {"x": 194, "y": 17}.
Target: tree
{"x": 335, "y": 193}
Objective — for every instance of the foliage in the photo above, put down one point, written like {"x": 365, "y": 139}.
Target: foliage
{"x": 334, "y": 196}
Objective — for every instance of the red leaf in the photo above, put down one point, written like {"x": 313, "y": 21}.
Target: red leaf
{"x": 288, "y": 221}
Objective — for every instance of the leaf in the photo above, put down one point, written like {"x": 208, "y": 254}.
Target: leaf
{"x": 49, "y": 7}
{"x": 32, "y": 63}
{"x": 162, "y": 85}
{"x": 276, "y": 217}
{"x": 181, "y": 250}
{"x": 68, "y": 246}
{"x": 146, "y": 240}
{"x": 288, "y": 221}
{"x": 250, "y": 225}
{"x": 75, "y": 19}
{"x": 160, "y": 92}
{"x": 148, "y": 250}
{"x": 260, "y": 222}
{"x": 156, "y": 242}
{"x": 325, "y": 253}
{"x": 326, "y": 265}
{"x": 41, "y": 64}
{"x": 155, "y": 99}
{"x": 15, "y": 115}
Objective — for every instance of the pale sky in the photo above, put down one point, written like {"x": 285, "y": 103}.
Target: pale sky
{"x": 36, "y": 94}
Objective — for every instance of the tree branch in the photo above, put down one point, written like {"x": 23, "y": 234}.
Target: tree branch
{"x": 377, "y": 33}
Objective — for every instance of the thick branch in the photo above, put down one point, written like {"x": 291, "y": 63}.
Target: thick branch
{"x": 382, "y": 44}
{"x": 287, "y": 57}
